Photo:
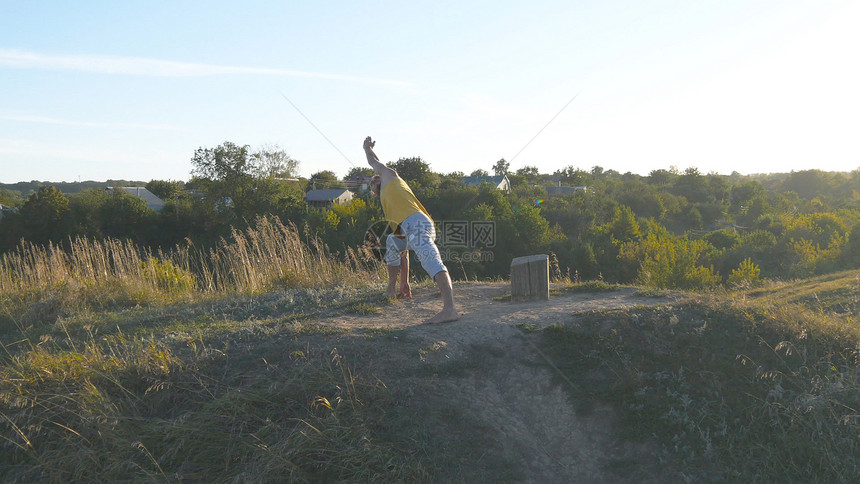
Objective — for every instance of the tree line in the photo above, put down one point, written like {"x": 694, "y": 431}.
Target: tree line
{"x": 670, "y": 228}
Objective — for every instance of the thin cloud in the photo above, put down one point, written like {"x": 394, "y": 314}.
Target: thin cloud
{"x": 85, "y": 124}
{"x": 141, "y": 66}
{"x": 39, "y": 155}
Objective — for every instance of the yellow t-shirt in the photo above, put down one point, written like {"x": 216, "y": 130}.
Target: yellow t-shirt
{"x": 398, "y": 202}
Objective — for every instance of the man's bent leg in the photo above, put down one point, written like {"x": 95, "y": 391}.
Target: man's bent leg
{"x": 449, "y": 312}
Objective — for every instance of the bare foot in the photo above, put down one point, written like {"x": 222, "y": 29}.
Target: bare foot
{"x": 391, "y": 294}
{"x": 444, "y": 316}
{"x": 405, "y": 293}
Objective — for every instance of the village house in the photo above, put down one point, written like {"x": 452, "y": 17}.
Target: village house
{"x": 499, "y": 182}
{"x": 152, "y": 202}
{"x": 329, "y": 197}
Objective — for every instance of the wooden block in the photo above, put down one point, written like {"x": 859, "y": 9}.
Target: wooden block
{"x": 530, "y": 277}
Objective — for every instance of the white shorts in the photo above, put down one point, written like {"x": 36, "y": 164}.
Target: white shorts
{"x": 419, "y": 233}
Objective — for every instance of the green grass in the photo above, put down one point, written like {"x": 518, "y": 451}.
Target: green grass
{"x": 584, "y": 287}
{"x": 727, "y": 389}
{"x": 566, "y": 287}
{"x": 118, "y": 408}
{"x": 839, "y": 292}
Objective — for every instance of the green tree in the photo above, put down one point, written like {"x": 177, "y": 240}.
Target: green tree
{"x": 125, "y": 216}
{"x": 323, "y": 180}
{"x": 644, "y": 199}
{"x": 821, "y": 229}
{"x": 8, "y": 198}
{"x": 46, "y": 216}
{"x": 623, "y": 226}
{"x": 528, "y": 171}
{"x": 742, "y": 195}
{"x": 807, "y": 184}
{"x": 692, "y": 186}
{"x": 165, "y": 189}
{"x": 268, "y": 196}
{"x": 416, "y": 172}
{"x": 224, "y": 163}
{"x": 723, "y": 239}
{"x": 270, "y": 161}
{"x": 360, "y": 171}
{"x": 573, "y": 176}
{"x": 85, "y": 207}
{"x": 660, "y": 177}
{"x": 501, "y": 167}
{"x": 224, "y": 174}
{"x": 718, "y": 188}
{"x": 480, "y": 172}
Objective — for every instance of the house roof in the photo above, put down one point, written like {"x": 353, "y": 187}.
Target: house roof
{"x": 152, "y": 201}
{"x": 326, "y": 195}
{"x": 477, "y": 180}
{"x": 563, "y": 190}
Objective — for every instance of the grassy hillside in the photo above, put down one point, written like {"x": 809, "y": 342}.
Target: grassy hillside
{"x": 111, "y": 378}
{"x": 757, "y": 385}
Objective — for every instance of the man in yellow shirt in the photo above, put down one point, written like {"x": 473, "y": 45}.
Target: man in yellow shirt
{"x": 405, "y": 212}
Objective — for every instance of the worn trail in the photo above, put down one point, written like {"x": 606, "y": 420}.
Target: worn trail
{"x": 503, "y": 390}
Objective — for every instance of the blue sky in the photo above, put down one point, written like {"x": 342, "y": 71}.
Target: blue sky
{"x": 97, "y": 90}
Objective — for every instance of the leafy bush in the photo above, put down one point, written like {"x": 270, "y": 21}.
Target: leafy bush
{"x": 665, "y": 261}
{"x": 167, "y": 276}
{"x": 746, "y": 275}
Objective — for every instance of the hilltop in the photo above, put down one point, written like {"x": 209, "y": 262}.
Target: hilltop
{"x": 602, "y": 383}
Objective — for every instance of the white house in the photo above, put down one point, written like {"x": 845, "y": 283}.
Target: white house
{"x": 152, "y": 202}
{"x": 327, "y": 198}
{"x": 500, "y": 182}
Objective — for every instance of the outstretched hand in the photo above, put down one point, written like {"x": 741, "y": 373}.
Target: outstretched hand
{"x": 369, "y": 143}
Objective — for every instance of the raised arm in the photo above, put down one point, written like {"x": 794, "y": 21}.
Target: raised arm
{"x": 383, "y": 171}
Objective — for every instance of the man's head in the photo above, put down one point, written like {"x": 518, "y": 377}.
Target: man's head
{"x": 375, "y": 183}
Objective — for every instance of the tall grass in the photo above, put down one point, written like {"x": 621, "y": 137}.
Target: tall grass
{"x": 39, "y": 283}
{"x": 117, "y": 408}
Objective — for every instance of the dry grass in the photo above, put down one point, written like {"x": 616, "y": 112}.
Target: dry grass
{"x": 108, "y": 409}
{"x": 81, "y": 400}
{"x": 754, "y": 386}
{"x": 39, "y": 284}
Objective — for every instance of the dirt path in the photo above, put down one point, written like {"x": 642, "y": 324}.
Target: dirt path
{"x": 484, "y": 317}
{"x": 481, "y": 382}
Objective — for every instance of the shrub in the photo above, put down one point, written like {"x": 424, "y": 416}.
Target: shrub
{"x": 668, "y": 262}
{"x": 746, "y": 275}
{"x": 167, "y": 276}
